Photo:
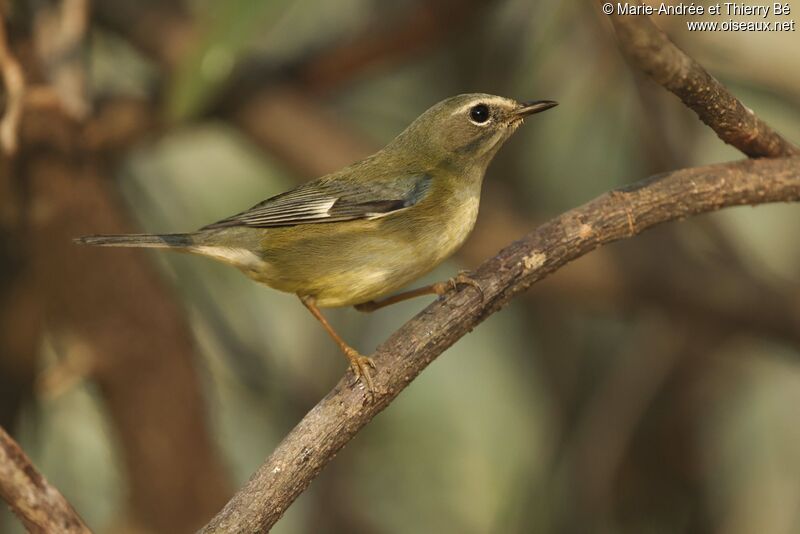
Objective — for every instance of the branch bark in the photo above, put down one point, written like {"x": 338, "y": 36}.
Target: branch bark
{"x": 40, "y": 506}
{"x": 615, "y": 215}
{"x": 649, "y": 49}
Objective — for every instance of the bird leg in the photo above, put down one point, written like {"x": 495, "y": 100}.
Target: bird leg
{"x": 439, "y": 288}
{"x": 360, "y": 365}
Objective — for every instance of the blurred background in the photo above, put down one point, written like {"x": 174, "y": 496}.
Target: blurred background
{"x": 652, "y": 386}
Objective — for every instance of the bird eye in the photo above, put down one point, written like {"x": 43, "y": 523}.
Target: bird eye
{"x": 479, "y": 114}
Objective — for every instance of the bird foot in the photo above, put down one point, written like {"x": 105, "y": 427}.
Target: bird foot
{"x": 361, "y": 365}
{"x": 462, "y": 278}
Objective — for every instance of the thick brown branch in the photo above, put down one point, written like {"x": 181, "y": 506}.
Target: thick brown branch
{"x": 613, "y": 216}
{"x": 652, "y": 51}
{"x": 40, "y": 506}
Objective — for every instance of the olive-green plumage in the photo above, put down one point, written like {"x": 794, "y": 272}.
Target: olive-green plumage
{"x": 373, "y": 227}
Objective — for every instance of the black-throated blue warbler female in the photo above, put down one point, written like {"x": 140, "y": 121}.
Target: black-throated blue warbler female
{"x": 356, "y": 235}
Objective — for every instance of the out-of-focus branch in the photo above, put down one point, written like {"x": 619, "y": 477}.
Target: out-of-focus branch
{"x": 417, "y": 30}
{"x": 296, "y": 123}
{"x": 387, "y": 41}
{"x": 653, "y": 52}
{"x": 60, "y": 33}
{"x": 40, "y": 506}
{"x": 615, "y": 215}
{"x": 175, "y": 475}
{"x": 59, "y": 188}
{"x": 162, "y": 29}
{"x": 14, "y": 82}
{"x": 20, "y": 324}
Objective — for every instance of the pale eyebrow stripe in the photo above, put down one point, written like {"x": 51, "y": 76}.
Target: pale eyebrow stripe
{"x": 465, "y": 107}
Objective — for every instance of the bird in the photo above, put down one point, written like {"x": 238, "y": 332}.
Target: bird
{"x": 353, "y": 237}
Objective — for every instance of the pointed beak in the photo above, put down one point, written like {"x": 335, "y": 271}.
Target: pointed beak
{"x": 536, "y": 106}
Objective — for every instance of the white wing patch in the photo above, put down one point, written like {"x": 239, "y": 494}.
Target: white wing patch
{"x": 313, "y": 209}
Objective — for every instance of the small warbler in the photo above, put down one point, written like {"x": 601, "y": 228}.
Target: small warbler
{"x": 353, "y": 236}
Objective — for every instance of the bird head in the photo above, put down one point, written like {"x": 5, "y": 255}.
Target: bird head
{"x": 467, "y": 129}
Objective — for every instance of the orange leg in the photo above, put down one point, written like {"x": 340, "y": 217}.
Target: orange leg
{"x": 359, "y": 364}
{"x": 439, "y": 288}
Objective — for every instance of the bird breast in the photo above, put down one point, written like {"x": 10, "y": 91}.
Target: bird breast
{"x": 456, "y": 223}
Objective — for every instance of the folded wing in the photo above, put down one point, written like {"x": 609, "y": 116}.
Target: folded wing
{"x": 332, "y": 200}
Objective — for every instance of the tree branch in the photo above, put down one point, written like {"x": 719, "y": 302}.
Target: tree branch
{"x": 613, "y": 216}
{"x": 40, "y": 506}
{"x": 649, "y": 48}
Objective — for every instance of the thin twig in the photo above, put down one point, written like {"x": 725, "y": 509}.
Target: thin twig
{"x": 613, "y": 216}
{"x": 15, "y": 95}
{"x": 653, "y": 52}
{"x": 40, "y": 506}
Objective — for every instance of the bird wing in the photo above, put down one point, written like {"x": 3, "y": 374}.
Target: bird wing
{"x": 332, "y": 200}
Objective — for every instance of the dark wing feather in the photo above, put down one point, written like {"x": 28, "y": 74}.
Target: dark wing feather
{"x": 323, "y": 201}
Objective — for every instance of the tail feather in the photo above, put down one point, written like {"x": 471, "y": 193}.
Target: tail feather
{"x": 137, "y": 240}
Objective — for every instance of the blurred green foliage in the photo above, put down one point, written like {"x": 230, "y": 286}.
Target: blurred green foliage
{"x": 227, "y": 29}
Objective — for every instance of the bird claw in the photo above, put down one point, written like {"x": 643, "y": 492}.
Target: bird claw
{"x": 461, "y": 278}
{"x": 360, "y": 366}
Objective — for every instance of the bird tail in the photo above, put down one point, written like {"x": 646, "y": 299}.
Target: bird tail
{"x": 137, "y": 240}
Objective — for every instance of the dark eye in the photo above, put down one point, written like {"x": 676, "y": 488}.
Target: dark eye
{"x": 479, "y": 113}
